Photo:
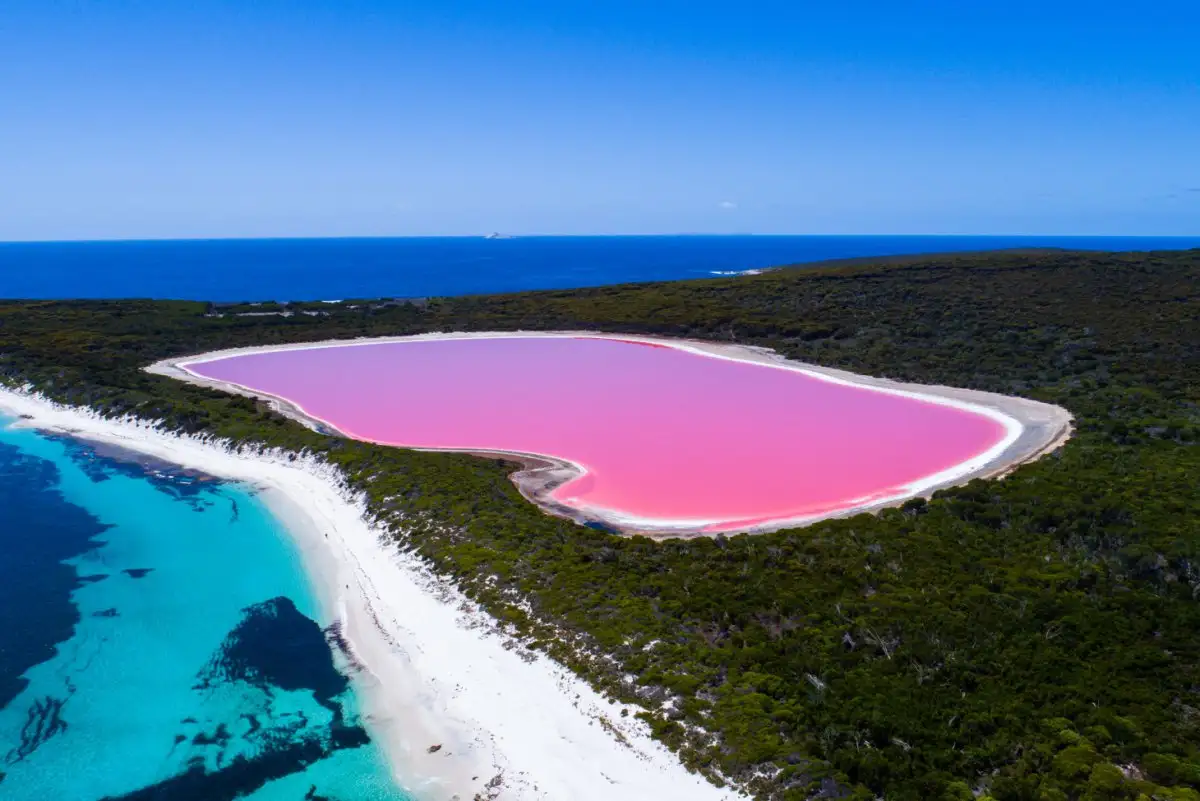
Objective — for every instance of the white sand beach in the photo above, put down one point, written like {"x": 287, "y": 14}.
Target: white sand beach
{"x": 462, "y": 710}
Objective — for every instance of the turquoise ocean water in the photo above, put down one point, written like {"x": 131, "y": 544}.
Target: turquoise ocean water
{"x": 159, "y": 640}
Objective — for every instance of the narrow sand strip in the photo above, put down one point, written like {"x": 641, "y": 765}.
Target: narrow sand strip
{"x": 434, "y": 669}
{"x": 1032, "y": 429}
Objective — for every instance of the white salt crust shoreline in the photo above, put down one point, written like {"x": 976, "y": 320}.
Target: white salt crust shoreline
{"x": 431, "y": 668}
{"x": 1032, "y": 428}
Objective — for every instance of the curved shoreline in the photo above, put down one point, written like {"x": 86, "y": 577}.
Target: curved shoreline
{"x": 430, "y": 667}
{"x": 1032, "y": 429}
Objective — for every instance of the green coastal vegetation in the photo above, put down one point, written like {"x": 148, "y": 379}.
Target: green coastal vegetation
{"x": 1035, "y": 638}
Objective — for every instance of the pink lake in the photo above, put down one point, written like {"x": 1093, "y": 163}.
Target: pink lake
{"x": 666, "y": 436}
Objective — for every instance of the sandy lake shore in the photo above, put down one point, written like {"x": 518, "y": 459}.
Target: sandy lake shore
{"x": 1032, "y": 428}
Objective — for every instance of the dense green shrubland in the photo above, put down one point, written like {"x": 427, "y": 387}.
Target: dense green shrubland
{"x": 1031, "y": 638}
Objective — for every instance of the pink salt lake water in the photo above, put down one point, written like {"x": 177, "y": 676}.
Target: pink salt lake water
{"x": 663, "y": 434}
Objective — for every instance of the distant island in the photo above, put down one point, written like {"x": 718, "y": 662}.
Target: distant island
{"x": 497, "y": 235}
{"x": 1031, "y": 636}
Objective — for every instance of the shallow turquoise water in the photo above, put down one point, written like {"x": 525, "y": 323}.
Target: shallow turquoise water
{"x": 196, "y": 668}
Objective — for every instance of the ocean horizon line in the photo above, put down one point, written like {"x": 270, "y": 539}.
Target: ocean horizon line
{"x": 659, "y": 235}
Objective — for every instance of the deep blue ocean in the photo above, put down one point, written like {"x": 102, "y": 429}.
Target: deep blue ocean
{"x": 159, "y": 641}
{"x": 337, "y": 269}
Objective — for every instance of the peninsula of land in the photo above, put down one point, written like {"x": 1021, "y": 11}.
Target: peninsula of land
{"x": 1031, "y": 635}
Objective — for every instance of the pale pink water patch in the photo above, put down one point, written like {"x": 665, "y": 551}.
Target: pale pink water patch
{"x": 664, "y": 434}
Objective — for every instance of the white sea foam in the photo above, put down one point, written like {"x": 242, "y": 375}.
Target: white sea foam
{"x": 737, "y": 272}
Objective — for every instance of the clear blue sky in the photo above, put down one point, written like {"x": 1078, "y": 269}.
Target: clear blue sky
{"x": 280, "y": 118}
